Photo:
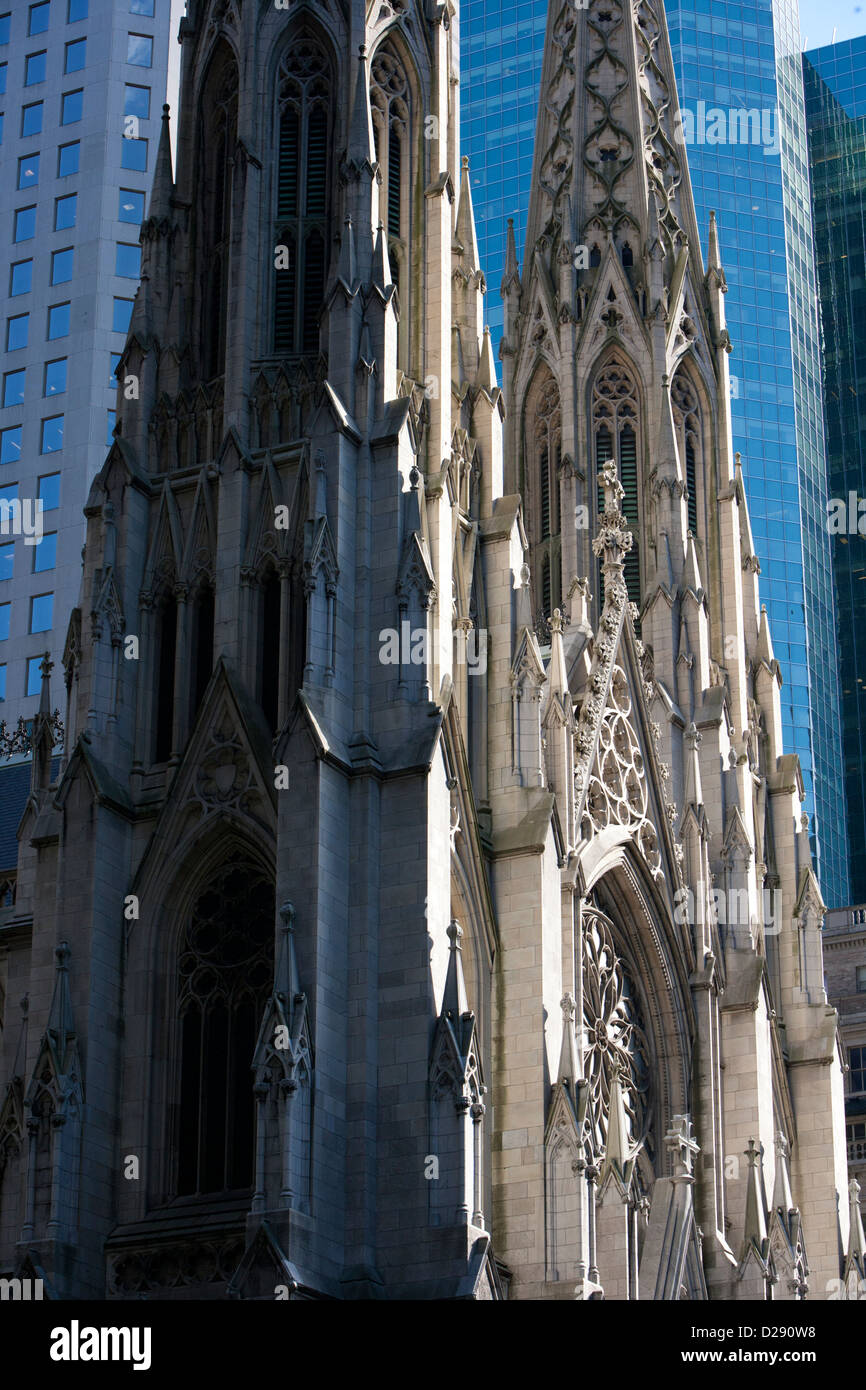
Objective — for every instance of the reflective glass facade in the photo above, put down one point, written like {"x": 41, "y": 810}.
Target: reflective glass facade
{"x": 70, "y": 256}
{"x": 728, "y": 56}
{"x": 835, "y": 87}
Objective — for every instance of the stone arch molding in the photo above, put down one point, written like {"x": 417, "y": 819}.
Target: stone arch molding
{"x": 225, "y": 783}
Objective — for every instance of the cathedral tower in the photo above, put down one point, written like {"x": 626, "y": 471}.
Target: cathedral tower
{"x": 368, "y": 933}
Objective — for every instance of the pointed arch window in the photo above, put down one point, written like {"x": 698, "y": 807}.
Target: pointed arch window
{"x": 270, "y": 602}
{"x": 219, "y": 109}
{"x": 166, "y": 641}
{"x": 687, "y": 425}
{"x": 224, "y": 971}
{"x": 202, "y": 648}
{"x": 616, "y": 433}
{"x": 303, "y": 195}
{"x": 390, "y": 105}
{"x": 544, "y": 455}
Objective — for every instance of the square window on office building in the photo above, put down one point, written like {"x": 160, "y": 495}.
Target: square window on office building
{"x": 61, "y": 266}
{"x": 34, "y": 675}
{"x": 13, "y": 388}
{"x": 55, "y": 377}
{"x": 28, "y": 170}
{"x": 131, "y": 206}
{"x": 127, "y": 261}
{"x": 4, "y": 72}
{"x": 133, "y": 155}
{"x": 49, "y": 491}
{"x": 76, "y": 55}
{"x": 67, "y": 159}
{"x": 139, "y": 50}
{"x": 52, "y": 435}
{"x": 77, "y": 9}
{"x": 20, "y": 277}
{"x": 121, "y": 315}
{"x": 35, "y": 68}
{"x": 7, "y": 560}
{"x": 5, "y": 27}
{"x": 17, "y": 329}
{"x": 65, "y": 212}
{"x": 71, "y": 107}
{"x": 111, "y": 422}
{"x": 5, "y": 615}
{"x": 136, "y": 101}
{"x": 10, "y": 445}
{"x": 40, "y": 17}
{"x": 25, "y": 224}
{"x": 31, "y": 118}
{"x": 2, "y": 681}
{"x": 58, "y": 321}
{"x": 144, "y": 7}
{"x": 45, "y": 553}
{"x": 114, "y": 364}
{"x": 41, "y": 612}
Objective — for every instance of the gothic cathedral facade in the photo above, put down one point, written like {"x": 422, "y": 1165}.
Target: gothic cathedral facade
{"x": 422, "y": 907}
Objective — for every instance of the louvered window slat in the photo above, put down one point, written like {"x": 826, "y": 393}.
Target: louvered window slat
{"x": 287, "y": 197}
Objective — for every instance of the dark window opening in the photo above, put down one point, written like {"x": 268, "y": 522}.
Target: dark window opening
{"x": 165, "y": 681}
{"x": 691, "y": 485}
{"x": 303, "y": 197}
{"x": 394, "y": 157}
{"x": 627, "y": 256}
{"x": 203, "y": 653}
{"x": 225, "y": 965}
{"x": 269, "y": 664}
{"x": 594, "y": 256}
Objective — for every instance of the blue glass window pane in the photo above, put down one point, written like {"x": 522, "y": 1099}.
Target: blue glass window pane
{"x": 34, "y": 675}
{"x": 41, "y": 612}
{"x": 34, "y": 68}
{"x": 76, "y": 55}
{"x": 65, "y": 211}
{"x": 10, "y": 444}
{"x": 49, "y": 491}
{"x": 31, "y": 118}
{"x": 16, "y": 332}
{"x": 45, "y": 553}
{"x": 131, "y": 206}
{"x": 13, "y": 389}
{"x": 21, "y": 277}
{"x": 61, "y": 266}
{"x": 58, "y": 321}
{"x": 128, "y": 261}
{"x": 71, "y": 107}
{"x": 25, "y": 224}
{"x": 7, "y": 559}
{"x": 40, "y": 16}
{"x": 121, "y": 316}
{"x": 52, "y": 435}
{"x": 136, "y": 101}
{"x": 133, "y": 155}
{"x": 28, "y": 170}
{"x": 67, "y": 160}
{"x": 139, "y": 50}
{"x": 55, "y": 377}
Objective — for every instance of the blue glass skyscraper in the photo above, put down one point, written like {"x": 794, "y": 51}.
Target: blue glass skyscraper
{"x": 835, "y": 86}
{"x": 728, "y": 57}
